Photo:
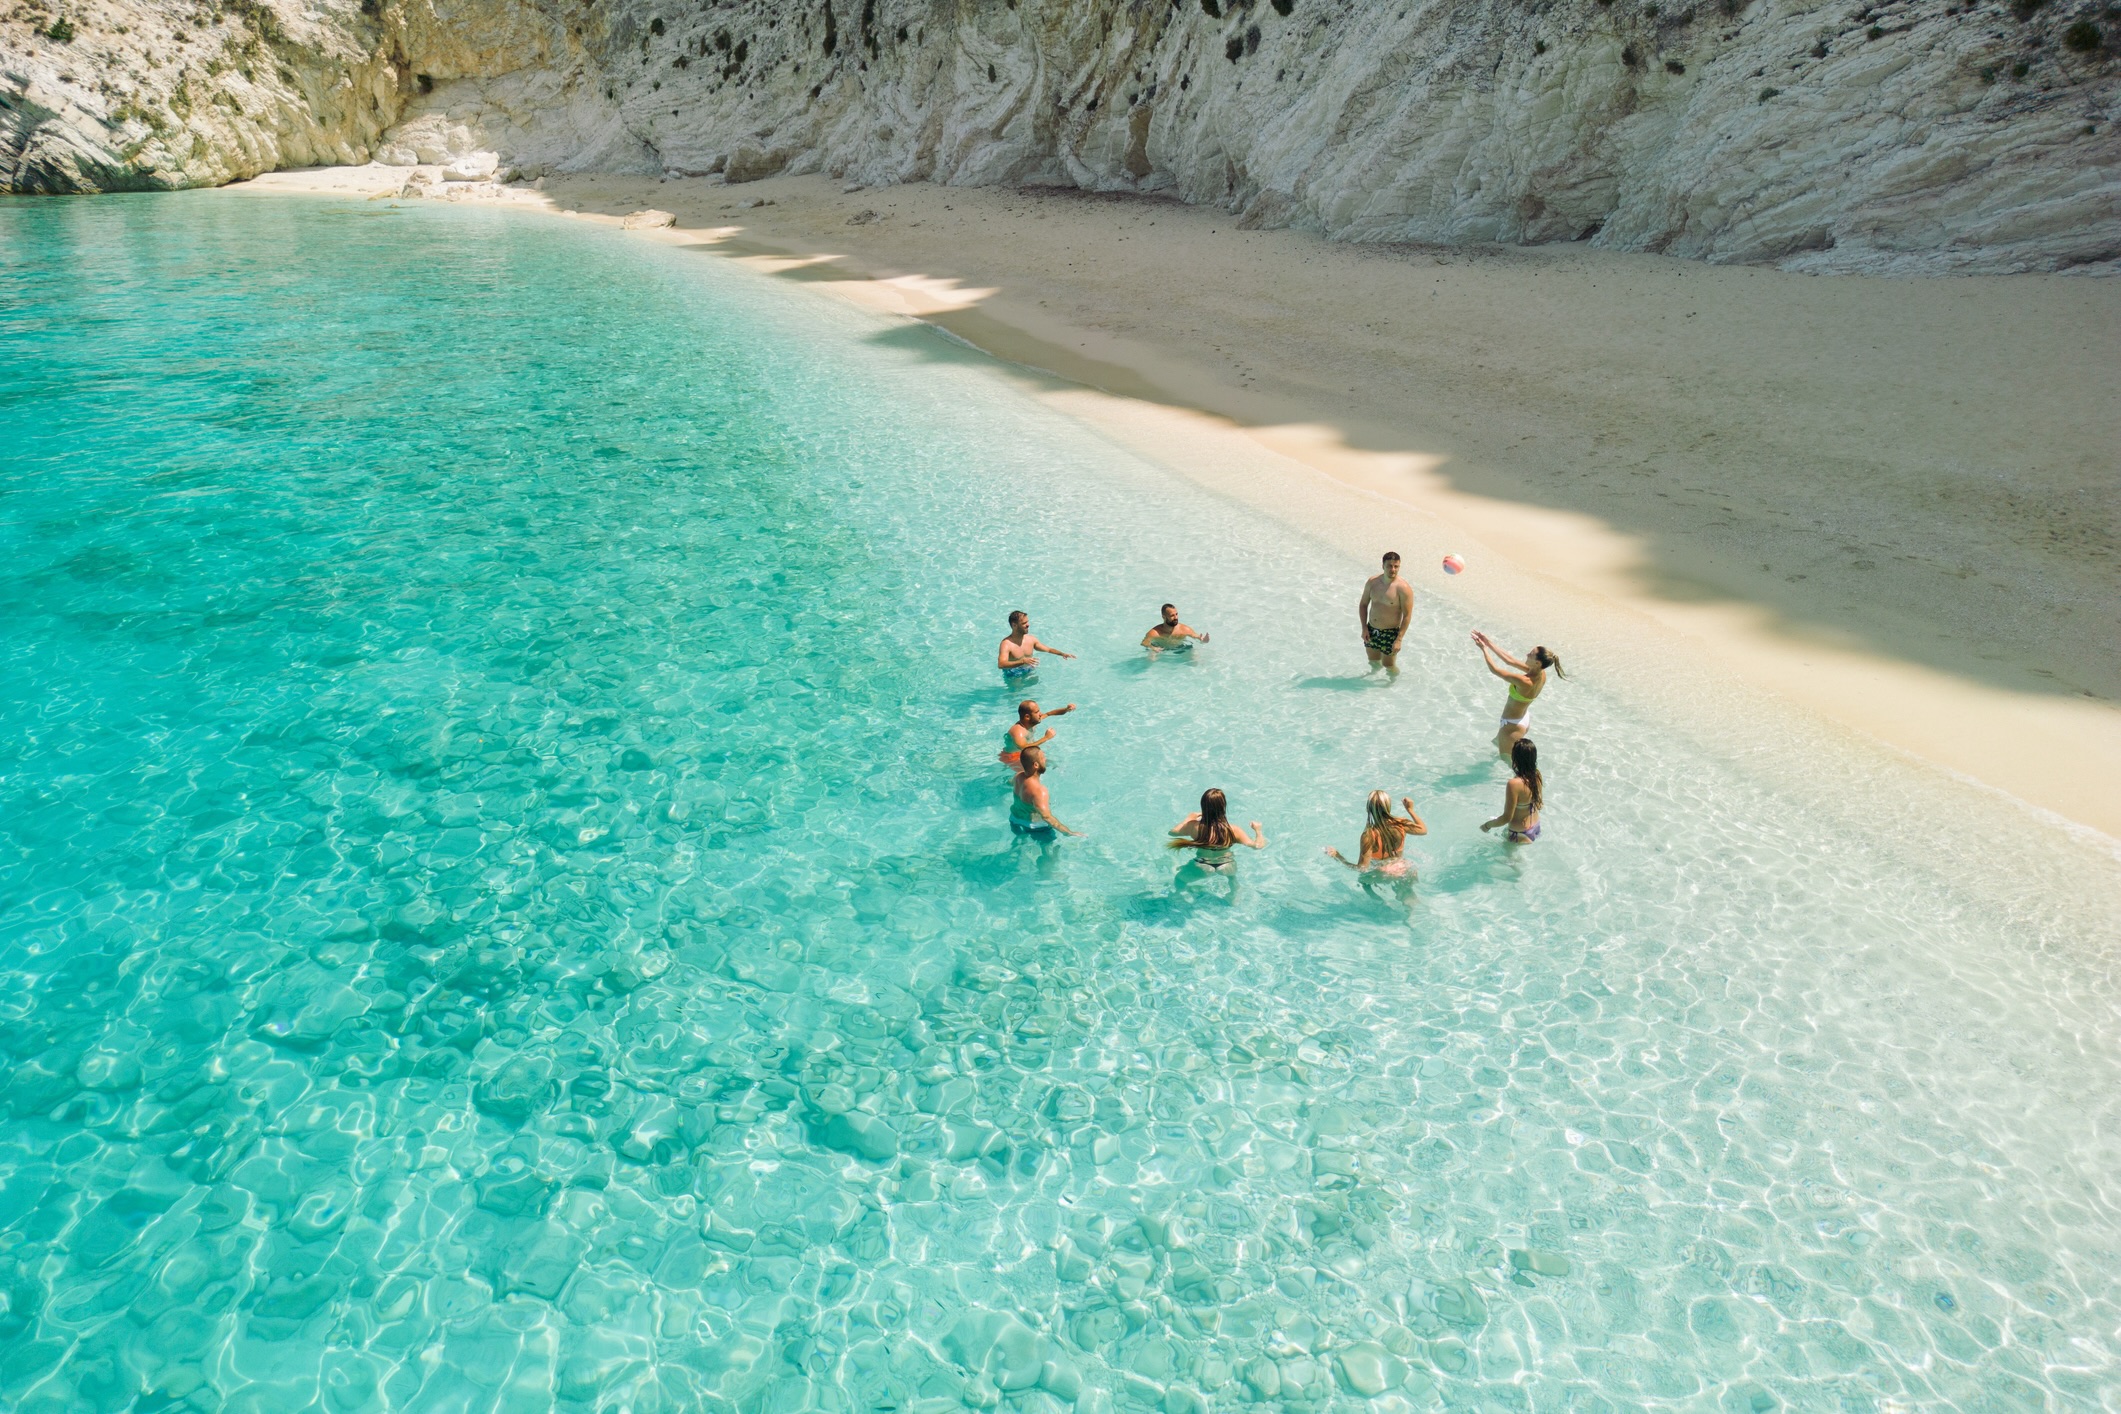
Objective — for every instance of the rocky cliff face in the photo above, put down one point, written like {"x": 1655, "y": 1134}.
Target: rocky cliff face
{"x": 1918, "y": 136}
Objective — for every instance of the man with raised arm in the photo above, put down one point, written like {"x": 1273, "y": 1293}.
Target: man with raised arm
{"x": 1018, "y": 657}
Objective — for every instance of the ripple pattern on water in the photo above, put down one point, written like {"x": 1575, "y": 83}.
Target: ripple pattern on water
{"x": 504, "y": 905}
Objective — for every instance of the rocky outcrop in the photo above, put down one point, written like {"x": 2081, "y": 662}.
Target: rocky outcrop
{"x": 129, "y": 96}
{"x": 1920, "y": 136}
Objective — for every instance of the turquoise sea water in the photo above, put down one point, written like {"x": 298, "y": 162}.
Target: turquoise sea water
{"x": 505, "y": 904}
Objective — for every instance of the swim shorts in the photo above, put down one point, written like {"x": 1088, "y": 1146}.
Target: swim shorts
{"x": 1384, "y": 640}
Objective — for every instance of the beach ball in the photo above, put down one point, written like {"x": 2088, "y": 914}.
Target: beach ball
{"x": 1453, "y": 565}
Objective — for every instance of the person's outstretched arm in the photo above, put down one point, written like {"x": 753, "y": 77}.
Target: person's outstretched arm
{"x": 1345, "y": 860}
{"x": 1489, "y": 645}
{"x": 1520, "y": 678}
{"x": 1257, "y": 839}
{"x": 1508, "y": 808}
{"x": 1414, "y": 822}
{"x": 1039, "y": 645}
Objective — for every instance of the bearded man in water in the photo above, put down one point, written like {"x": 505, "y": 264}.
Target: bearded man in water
{"x": 1017, "y": 657}
{"x": 1168, "y": 632}
{"x": 1384, "y": 612}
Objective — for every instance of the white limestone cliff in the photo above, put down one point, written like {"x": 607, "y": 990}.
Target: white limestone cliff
{"x": 1920, "y": 136}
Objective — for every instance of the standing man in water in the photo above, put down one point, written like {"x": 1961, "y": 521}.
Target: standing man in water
{"x": 1030, "y": 808}
{"x": 1168, "y": 632}
{"x": 1018, "y": 657}
{"x": 1017, "y": 738}
{"x": 1385, "y": 611}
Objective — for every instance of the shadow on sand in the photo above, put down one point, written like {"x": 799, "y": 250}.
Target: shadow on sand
{"x": 1812, "y": 588}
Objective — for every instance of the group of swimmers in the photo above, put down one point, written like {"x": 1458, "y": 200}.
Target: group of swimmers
{"x": 1384, "y": 613}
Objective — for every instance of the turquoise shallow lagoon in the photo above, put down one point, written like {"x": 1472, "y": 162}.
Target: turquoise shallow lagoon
{"x": 505, "y": 904}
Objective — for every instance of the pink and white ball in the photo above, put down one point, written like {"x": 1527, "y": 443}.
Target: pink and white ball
{"x": 1453, "y": 565}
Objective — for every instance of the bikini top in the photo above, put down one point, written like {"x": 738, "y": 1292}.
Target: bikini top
{"x": 1516, "y": 694}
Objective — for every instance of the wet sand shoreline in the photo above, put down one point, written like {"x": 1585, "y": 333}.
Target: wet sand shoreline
{"x": 1886, "y": 504}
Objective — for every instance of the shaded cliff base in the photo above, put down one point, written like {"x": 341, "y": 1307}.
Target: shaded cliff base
{"x": 1891, "y": 503}
{"x": 1910, "y": 137}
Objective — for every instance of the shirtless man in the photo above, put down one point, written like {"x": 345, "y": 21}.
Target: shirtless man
{"x": 1030, "y": 808}
{"x": 1028, "y": 715}
{"x": 1385, "y": 611}
{"x": 1017, "y": 658}
{"x": 1170, "y": 633}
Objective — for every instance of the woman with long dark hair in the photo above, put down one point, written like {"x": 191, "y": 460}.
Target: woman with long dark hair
{"x": 1210, "y": 835}
{"x": 1525, "y": 676}
{"x": 1522, "y": 797}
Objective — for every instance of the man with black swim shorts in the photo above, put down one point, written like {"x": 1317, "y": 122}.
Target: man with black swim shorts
{"x": 1385, "y": 611}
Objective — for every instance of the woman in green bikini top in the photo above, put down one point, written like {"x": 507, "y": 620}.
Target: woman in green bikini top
{"x": 1525, "y": 676}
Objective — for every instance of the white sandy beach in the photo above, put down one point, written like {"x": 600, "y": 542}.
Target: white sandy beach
{"x": 1882, "y": 511}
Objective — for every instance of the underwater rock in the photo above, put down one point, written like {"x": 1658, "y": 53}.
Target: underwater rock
{"x": 1008, "y": 1352}
{"x": 520, "y": 1088}
{"x": 862, "y": 1135}
{"x": 651, "y": 1136}
{"x": 1368, "y": 1369}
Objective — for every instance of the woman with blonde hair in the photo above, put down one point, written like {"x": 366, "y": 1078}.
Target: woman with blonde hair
{"x": 1381, "y": 856}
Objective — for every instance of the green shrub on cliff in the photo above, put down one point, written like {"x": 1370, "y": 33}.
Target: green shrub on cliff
{"x": 60, "y": 31}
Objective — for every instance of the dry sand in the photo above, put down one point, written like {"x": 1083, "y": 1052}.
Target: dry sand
{"x": 1889, "y": 508}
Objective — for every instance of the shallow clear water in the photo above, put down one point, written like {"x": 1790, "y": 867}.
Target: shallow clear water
{"x": 505, "y": 902}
